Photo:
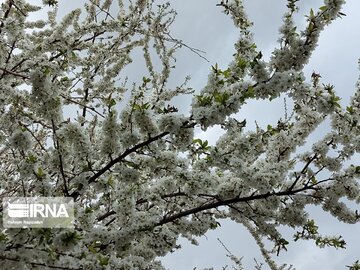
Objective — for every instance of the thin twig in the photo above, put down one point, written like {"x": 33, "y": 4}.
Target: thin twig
{"x": 13, "y": 73}
{"x": 19, "y": 9}
{"x": 82, "y": 105}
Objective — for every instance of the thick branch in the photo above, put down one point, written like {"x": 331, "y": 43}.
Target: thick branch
{"x": 5, "y": 71}
{"x": 124, "y": 155}
{"x": 219, "y": 202}
{"x": 36, "y": 264}
{"x": 127, "y": 152}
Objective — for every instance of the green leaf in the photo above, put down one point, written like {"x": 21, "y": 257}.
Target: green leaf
{"x": 88, "y": 210}
{"x": 311, "y": 27}
{"x": 146, "y": 80}
{"x": 145, "y": 106}
{"x": 31, "y": 159}
{"x": 123, "y": 22}
{"x": 312, "y": 14}
{"x": 350, "y": 109}
{"x": 3, "y": 237}
{"x": 214, "y": 225}
{"x": 51, "y": 2}
{"x": 243, "y": 123}
{"x": 241, "y": 63}
{"x": 329, "y": 88}
{"x": 47, "y": 70}
{"x": 204, "y": 100}
{"x": 40, "y": 172}
{"x": 355, "y": 266}
{"x": 334, "y": 101}
{"x": 336, "y": 242}
{"x": 272, "y": 130}
{"x": 205, "y": 144}
{"x": 260, "y": 55}
{"x": 226, "y": 73}
{"x": 281, "y": 244}
{"x": 221, "y": 98}
{"x": 71, "y": 238}
{"x": 221, "y": 82}
{"x": 103, "y": 260}
{"x": 112, "y": 102}
{"x": 249, "y": 93}
{"x": 215, "y": 68}
{"x": 313, "y": 180}
{"x": 198, "y": 141}
{"x": 111, "y": 181}
{"x": 93, "y": 249}
{"x": 136, "y": 107}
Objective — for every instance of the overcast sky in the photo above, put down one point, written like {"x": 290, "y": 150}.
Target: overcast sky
{"x": 201, "y": 24}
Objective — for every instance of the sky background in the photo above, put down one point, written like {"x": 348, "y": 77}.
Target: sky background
{"x": 202, "y": 25}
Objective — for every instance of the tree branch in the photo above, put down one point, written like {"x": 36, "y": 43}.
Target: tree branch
{"x": 34, "y": 264}
{"x": 5, "y": 71}
{"x": 127, "y": 152}
{"x": 226, "y": 202}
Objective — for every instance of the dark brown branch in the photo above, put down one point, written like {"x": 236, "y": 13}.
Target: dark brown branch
{"x": 215, "y": 204}
{"x": 19, "y": 9}
{"x": 19, "y": 64}
{"x": 82, "y": 105}
{"x": 124, "y": 155}
{"x": 108, "y": 214}
{"x": 61, "y": 166}
{"x": 34, "y": 136}
{"x": 76, "y": 43}
{"x": 34, "y": 264}
{"x": 111, "y": 221}
{"x": 141, "y": 201}
{"x": 6, "y": 71}
{"x": 7, "y": 12}
{"x": 103, "y": 10}
{"x": 127, "y": 152}
{"x": 303, "y": 171}
{"x": 10, "y": 52}
{"x": 226, "y": 202}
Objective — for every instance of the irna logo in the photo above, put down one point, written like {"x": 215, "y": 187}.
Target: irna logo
{"x": 33, "y": 210}
{"x": 40, "y": 212}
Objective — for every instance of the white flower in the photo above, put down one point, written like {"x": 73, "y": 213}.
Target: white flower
{"x": 21, "y": 140}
